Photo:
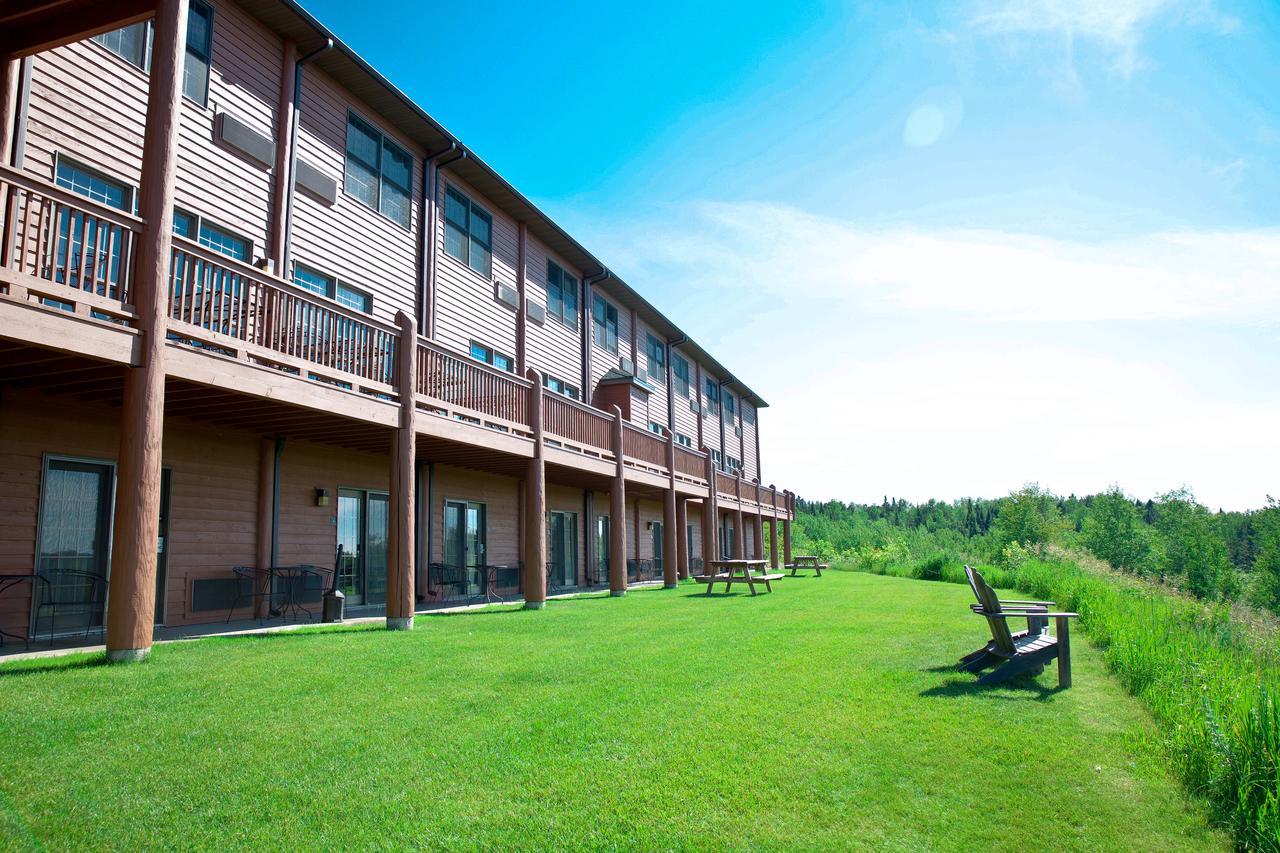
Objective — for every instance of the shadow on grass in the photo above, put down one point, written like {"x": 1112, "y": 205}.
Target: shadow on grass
{"x": 1024, "y": 687}
{"x": 36, "y": 666}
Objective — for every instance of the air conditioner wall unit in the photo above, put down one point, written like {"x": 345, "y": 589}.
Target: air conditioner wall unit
{"x": 626, "y": 365}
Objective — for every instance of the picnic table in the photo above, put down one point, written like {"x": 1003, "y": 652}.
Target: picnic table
{"x": 807, "y": 561}
{"x": 729, "y": 572}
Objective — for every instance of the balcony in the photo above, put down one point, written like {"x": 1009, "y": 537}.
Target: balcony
{"x": 68, "y": 266}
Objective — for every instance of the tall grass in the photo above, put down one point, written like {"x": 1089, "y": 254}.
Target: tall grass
{"x": 1210, "y": 677}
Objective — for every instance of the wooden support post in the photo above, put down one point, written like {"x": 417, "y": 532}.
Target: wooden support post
{"x": 682, "y": 538}
{"x": 400, "y": 566}
{"x": 669, "y": 557}
{"x": 758, "y": 534}
{"x": 618, "y": 513}
{"x": 709, "y": 520}
{"x": 786, "y": 533}
{"x": 1063, "y": 624}
{"x": 773, "y": 530}
{"x": 131, "y": 595}
{"x": 739, "y": 532}
{"x": 283, "y": 171}
{"x": 535, "y": 504}
{"x": 266, "y": 514}
{"x": 10, "y": 72}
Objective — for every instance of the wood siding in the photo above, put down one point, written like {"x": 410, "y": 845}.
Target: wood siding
{"x": 552, "y": 346}
{"x": 466, "y": 307}
{"x": 90, "y": 105}
{"x": 350, "y": 240}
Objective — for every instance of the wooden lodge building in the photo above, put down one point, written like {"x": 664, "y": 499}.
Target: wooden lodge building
{"x": 257, "y": 308}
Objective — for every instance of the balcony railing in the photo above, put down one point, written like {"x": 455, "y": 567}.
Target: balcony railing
{"x": 576, "y": 423}
{"x": 83, "y": 251}
{"x": 645, "y": 446}
{"x": 70, "y": 252}
{"x": 237, "y": 303}
{"x": 691, "y": 463}
{"x": 465, "y": 383}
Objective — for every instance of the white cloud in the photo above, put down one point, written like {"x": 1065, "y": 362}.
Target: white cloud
{"x": 942, "y": 363}
{"x": 1225, "y": 276}
{"x": 1115, "y": 27}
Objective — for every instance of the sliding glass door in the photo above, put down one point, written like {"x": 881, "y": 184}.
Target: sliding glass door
{"x": 362, "y": 542}
{"x": 465, "y": 537}
{"x": 562, "y": 548}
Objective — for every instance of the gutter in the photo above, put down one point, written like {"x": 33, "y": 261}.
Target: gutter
{"x": 285, "y": 256}
{"x": 427, "y": 241}
{"x": 587, "y": 284}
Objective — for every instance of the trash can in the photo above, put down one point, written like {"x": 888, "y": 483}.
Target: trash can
{"x": 334, "y": 604}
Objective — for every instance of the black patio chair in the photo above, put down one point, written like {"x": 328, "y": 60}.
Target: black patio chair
{"x": 70, "y": 591}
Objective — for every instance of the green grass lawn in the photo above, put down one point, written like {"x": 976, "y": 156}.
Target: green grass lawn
{"x": 826, "y": 714}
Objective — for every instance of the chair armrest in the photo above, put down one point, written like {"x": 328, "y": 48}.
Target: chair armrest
{"x": 1018, "y": 614}
{"x": 1023, "y": 601}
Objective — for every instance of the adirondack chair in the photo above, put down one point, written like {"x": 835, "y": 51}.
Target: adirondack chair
{"x": 1035, "y": 621}
{"x": 1025, "y": 653}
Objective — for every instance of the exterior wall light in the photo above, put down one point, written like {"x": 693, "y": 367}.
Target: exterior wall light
{"x": 322, "y": 497}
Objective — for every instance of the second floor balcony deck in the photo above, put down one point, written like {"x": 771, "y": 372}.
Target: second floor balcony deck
{"x": 67, "y": 280}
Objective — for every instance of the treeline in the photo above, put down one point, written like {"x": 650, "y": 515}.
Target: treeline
{"x": 1173, "y": 538}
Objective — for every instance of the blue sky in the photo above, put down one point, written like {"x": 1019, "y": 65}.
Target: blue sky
{"x": 981, "y": 242}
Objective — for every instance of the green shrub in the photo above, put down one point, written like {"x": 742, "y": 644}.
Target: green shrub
{"x": 931, "y": 569}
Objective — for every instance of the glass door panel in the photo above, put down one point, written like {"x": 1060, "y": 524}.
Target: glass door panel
{"x": 73, "y": 553}
{"x": 377, "y": 514}
{"x": 657, "y": 547}
{"x": 350, "y": 525}
{"x": 562, "y": 547}
{"x": 475, "y": 548}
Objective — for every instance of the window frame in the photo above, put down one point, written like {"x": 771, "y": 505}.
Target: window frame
{"x": 601, "y": 326}
{"x": 711, "y": 389}
{"x": 332, "y": 283}
{"x": 493, "y": 356}
{"x": 561, "y": 277}
{"x": 684, "y": 440}
{"x": 130, "y": 192}
{"x": 656, "y": 350}
{"x": 380, "y": 179}
{"x": 207, "y": 57}
{"x": 200, "y": 222}
{"x": 550, "y": 382}
{"x": 147, "y": 43}
{"x": 682, "y": 381}
{"x": 468, "y": 237}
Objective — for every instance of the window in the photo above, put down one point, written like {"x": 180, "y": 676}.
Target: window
{"x": 489, "y": 355}
{"x": 352, "y": 298}
{"x": 562, "y": 295}
{"x": 93, "y": 185}
{"x": 87, "y": 253}
{"x": 316, "y": 282}
{"x": 468, "y": 232}
{"x": 683, "y": 440}
{"x": 195, "y": 71}
{"x": 732, "y": 465}
{"x": 605, "y": 319}
{"x": 211, "y": 236}
{"x": 559, "y": 386}
{"x": 730, "y": 406}
{"x": 713, "y": 391}
{"x": 327, "y": 285}
{"x": 657, "y": 354}
{"x": 717, "y": 459}
{"x": 378, "y": 173}
{"x": 680, "y": 368}
{"x": 132, "y": 43}
{"x": 658, "y": 428}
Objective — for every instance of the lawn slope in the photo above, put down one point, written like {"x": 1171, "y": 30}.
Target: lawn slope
{"x": 826, "y": 714}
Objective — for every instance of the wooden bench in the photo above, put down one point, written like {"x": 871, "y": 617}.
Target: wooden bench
{"x": 729, "y": 572}
{"x": 1028, "y": 651}
{"x": 808, "y": 561}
